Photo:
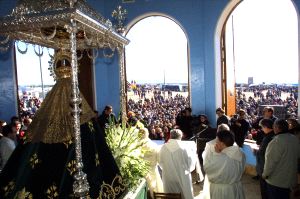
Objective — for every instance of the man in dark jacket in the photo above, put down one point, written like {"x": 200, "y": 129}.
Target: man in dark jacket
{"x": 107, "y": 117}
{"x": 267, "y": 127}
{"x": 222, "y": 118}
{"x": 268, "y": 113}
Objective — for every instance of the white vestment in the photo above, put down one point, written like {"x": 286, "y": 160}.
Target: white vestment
{"x": 177, "y": 160}
{"x": 153, "y": 178}
{"x": 223, "y": 173}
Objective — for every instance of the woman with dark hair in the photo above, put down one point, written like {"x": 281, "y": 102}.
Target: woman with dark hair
{"x": 294, "y": 127}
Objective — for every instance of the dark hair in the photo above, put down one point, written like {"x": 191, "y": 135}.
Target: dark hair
{"x": 7, "y": 129}
{"x": 188, "y": 109}
{"x": 268, "y": 123}
{"x": 108, "y": 107}
{"x": 294, "y": 123}
{"x": 13, "y": 119}
{"x": 206, "y": 118}
{"x": 226, "y": 137}
{"x": 269, "y": 109}
{"x": 242, "y": 111}
{"x": 220, "y": 109}
{"x": 282, "y": 125}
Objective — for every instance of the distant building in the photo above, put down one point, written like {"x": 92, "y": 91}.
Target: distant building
{"x": 250, "y": 80}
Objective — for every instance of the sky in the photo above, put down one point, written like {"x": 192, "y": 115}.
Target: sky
{"x": 265, "y": 48}
{"x": 28, "y": 66}
{"x": 265, "y": 41}
{"x": 157, "y": 52}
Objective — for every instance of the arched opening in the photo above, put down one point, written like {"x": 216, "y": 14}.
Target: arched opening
{"x": 157, "y": 69}
{"x": 258, "y": 50}
{"x": 34, "y": 78}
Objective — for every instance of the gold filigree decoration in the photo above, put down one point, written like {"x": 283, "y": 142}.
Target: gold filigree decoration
{"x": 68, "y": 143}
{"x": 52, "y": 192}
{"x": 8, "y": 188}
{"x": 97, "y": 161}
{"x": 91, "y": 126}
{"x": 113, "y": 190}
{"x": 71, "y": 167}
{"x": 54, "y": 118}
{"x": 34, "y": 160}
{"x": 23, "y": 194}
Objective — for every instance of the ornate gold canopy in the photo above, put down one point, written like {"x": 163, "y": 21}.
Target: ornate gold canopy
{"x": 44, "y": 22}
{"x": 68, "y": 25}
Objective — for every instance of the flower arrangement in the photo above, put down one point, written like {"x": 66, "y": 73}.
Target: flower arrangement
{"x": 127, "y": 148}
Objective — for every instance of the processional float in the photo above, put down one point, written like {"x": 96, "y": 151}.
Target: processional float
{"x": 67, "y": 25}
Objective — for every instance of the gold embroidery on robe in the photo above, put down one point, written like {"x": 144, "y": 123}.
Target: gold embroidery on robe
{"x": 71, "y": 167}
{"x": 91, "y": 127}
{"x": 54, "y": 122}
{"x": 34, "y": 160}
{"x": 97, "y": 159}
{"x": 52, "y": 192}
{"x": 23, "y": 194}
{"x": 68, "y": 143}
{"x": 8, "y": 188}
{"x": 111, "y": 191}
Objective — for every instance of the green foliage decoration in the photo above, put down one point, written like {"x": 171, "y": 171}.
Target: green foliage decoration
{"x": 127, "y": 148}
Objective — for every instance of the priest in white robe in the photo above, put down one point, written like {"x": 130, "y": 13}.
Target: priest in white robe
{"x": 178, "y": 159}
{"x": 224, "y": 169}
{"x": 153, "y": 178}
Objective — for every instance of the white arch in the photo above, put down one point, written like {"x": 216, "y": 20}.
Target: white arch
{"x": 153, "y": 14}
{"x": 218, "y": 33}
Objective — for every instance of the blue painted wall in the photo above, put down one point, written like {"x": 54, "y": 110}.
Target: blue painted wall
{"x": 198, "y": 19}
{"x": 8, "y": 92}
{"x": 8, "y": 89}
{"x": 107, "y": 83}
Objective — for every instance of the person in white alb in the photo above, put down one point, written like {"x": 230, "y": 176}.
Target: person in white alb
{"x": 224, "y": 169}
{"x": 177, "y": 162}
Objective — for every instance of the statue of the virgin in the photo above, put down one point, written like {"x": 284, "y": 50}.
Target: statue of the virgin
{"x": 43, "y": 166}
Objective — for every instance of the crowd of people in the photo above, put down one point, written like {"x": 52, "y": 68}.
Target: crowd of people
{"x": 167, "y": 116}
{"x": 158, "y": 112}
{"x": 28, "y": 105}
{"x": 251, "y": 98}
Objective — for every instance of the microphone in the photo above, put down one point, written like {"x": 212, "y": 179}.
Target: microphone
{"x": 198, "y": 134}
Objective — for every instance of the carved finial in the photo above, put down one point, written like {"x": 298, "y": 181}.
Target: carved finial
{"x": 72, "y": 2}
{"x": 119, "y": 14}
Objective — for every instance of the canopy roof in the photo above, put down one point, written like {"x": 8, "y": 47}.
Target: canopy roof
{"x": 44, "y": 22}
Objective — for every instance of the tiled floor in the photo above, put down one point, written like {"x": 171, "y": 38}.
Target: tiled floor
{"x": 251, "y": 188}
